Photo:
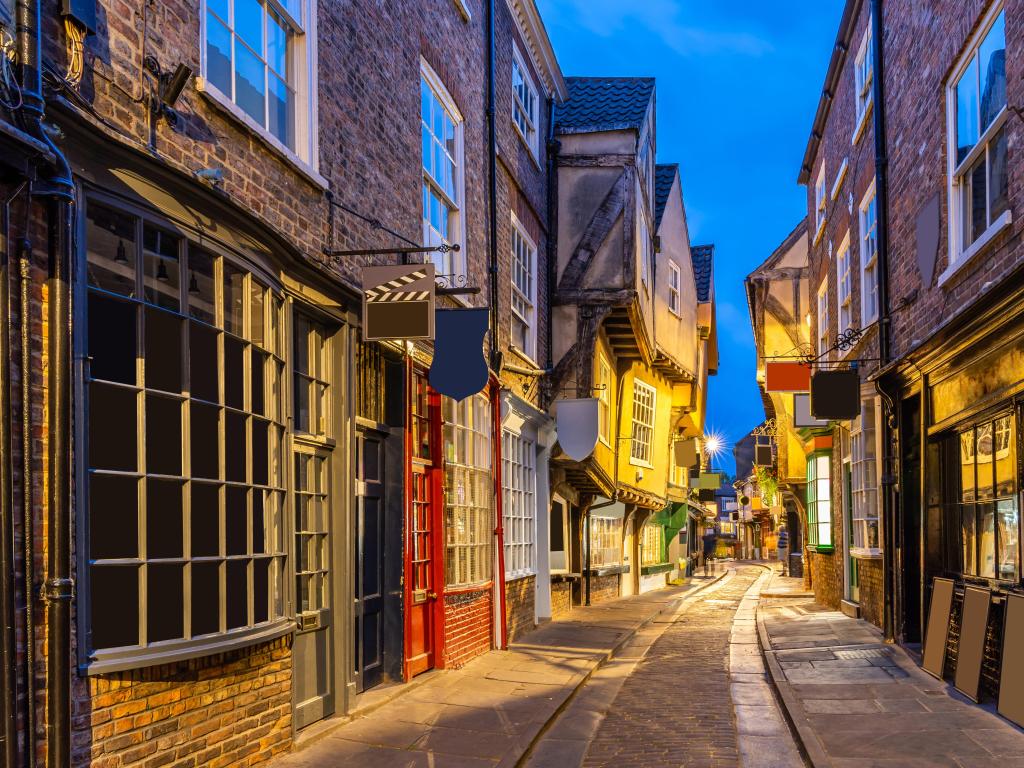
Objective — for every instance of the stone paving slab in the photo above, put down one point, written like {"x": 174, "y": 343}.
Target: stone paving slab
{"x": 858, "y": 703}
{"x": 487, "y": 714}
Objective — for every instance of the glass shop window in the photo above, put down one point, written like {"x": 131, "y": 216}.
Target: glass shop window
{"x": 183, "y": 492}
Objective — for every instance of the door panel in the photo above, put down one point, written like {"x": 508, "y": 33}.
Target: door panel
{"x": 420, "y": 646}
{"x": 370, "y": 565}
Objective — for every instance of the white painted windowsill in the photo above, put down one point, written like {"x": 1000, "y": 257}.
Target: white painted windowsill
{"x": 976, "y": 247}
{"x": 863, "y": 122}
{"x": 226, "y": 105}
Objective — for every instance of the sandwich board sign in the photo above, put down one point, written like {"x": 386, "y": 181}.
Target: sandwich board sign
{"x": 398, "y": 302}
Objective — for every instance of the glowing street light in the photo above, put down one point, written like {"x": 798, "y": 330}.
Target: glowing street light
{"x": 714, "y": 445}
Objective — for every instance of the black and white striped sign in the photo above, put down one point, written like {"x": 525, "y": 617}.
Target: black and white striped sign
{"x": 398, "y": 302}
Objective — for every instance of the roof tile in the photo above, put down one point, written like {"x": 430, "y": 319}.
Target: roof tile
{"x": 604, "y": 104}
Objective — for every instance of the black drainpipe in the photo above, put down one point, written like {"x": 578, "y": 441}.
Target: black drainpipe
{"x": 57, "y": 186}
{"x": 8, "y": 652}
{"x": 27, "y": 527}
{"x": 889, "y": 503}
{"x": 492, "y": 160}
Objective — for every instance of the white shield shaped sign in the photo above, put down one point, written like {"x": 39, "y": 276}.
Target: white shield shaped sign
{"x": 577, "y": 427}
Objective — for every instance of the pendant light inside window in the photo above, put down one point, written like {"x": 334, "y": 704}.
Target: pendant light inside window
{"x": 161, "y": 272}
{"x": 122, "y": 254}
{"x": 193, "y": 284}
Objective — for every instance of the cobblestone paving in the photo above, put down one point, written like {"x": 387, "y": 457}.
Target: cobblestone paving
{"x": 675, "y": 709}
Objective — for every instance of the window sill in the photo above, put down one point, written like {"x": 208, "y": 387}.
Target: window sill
{"x": 640, "y": 463}
{"x": 862, "y": 124}
{"x": 822, "y": 549}
{"x": 651, "y": 570}
{"x": 464, "y": 589}
{"x": 519, "y": 575}
{"x": 169, "y": 653}
{"x": 976, "y": 247}
{"x": 221, "y": 102}
{"x": 525, "y": 357}
{"x": 840, "y": 178}
{"x": 530, "y": 150}
{"x": 607, "y": 570}
{"x": 463, "y": 10}
{"x": 865, "y": 553}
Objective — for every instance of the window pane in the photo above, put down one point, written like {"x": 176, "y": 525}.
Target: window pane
{"x": 111, "y": 339}
{"x": 205, "y": 598}
{"x": 203, "y": 377}
{"x": 201, "y": 298}
{"x": 282, "y": 111}
{"x": 250, "y": 88}
{"x": 113, "y": 517}
{"x": 163, "y": 519}
{"x": 1005, "y": 456}
{"x": 234, "y": 372}
{"x": 967, "y": 465}
{"x": 260, "y": 588}
{"x": 111, "y": 249}
{"x": 257, "y": 362}
{"x": 277, "y": 44}
{"x": 992, "y": 63}
{"x": 249, "y": 23}
{"x": 259, "y": 452}
{"x": 165, "y": 612}
{"x": 235, "y": 522}
{"x": 983, "y": 460}
{"x": 114, "y": 604}
{"x": 967, "y": 111}
{"x": 163, "y": 351}
{"x": 205, "y": 528}
{"x": 259, "y": 544}
{"x": 967, "y": 527}
{"x": 987, "y": 541}
{"x": 218, "y": 53}
{"x": 1008, "y": 536}
{"x": 161, "y": 270}
{"x": 220, "y": 7}
{"x": 205, "y": 441}
{"x": 975, "y": 210}
{"x": 237, "y": 594}
{"x": 233, "y": 299}
{"x": 234, "y": 446}
{"x": 997, "y": 176}
{"x": 163, "y": 435}
{"x": 257, "y": 294}
{"x": 112, "y": 428}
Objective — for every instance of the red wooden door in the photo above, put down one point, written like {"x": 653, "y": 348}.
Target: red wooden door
{"x": 423, "y": 528}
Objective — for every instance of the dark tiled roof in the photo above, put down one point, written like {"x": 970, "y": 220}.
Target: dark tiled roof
{"x": 604, "y": 103}
{"x": 664, "y": 177}
{"x": 703, "y": 257}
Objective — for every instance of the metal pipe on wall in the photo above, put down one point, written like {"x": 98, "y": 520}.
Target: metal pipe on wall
{"x": 492, "y": 191}
{"x": 27, "y": 530}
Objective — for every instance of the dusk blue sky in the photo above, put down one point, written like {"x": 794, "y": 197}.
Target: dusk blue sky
{"x": 737, "y": 87}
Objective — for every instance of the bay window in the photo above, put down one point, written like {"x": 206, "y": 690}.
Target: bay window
{"x": 819, "y": 500}
{"x": 182, "y": 480}
{"x": 441, "y": 129}
{"x": 257, "y": 62}
{"x": 976, "y": 116}
{"x": 864, "y": 478}
{"x": 469, "y": 523}
{"x": 519, "y": 482}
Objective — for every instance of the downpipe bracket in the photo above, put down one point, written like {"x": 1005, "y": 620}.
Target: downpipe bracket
{"x": 58, "y": 590}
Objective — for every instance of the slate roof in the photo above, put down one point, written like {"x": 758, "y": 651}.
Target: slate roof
{"x": 604, "y": 104}
{"x": 703, "y": 257}
{"x": 664, "y": 177}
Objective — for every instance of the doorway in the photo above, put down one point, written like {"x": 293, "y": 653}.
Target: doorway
{"x": 909, "y": 545}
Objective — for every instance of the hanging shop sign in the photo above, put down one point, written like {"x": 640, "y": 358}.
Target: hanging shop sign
{"x": 398, "y": 302}
{"x": 802, "y": 412}
{"x": 787, "y": 377}
{"x": 685, "y": 452}
{"x": 835, "y": 395}
{"x": 709, "y": 480}
{"x": 458, "y": 369}
{"x": 706, "y": 494}
{"x": 763, "y": 454}
{"x": 576, "y": 423}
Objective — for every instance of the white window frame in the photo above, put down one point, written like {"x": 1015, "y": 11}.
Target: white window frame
{"x": 531, "y": 133}
{"x": 820, "y": 204}
{"x": 469, "y": 483}
{"x": 605, "y": 541}
{"x": 604, "y": 407}
{"x": 824, "y": 336}
{"x": 844, "y": 285}
{"x": 674, "y": 283}
{"x": 645, "y": 404}
{"x": 864, "y": 72}
{"x": 527, "y": 295}
{"x": 865, "y": 450}
{"x": 519, "y": 512}
{"x": 868, "y": 259}
{"x": 452, "y": 263}
{"x": 959, "y": 254}
{"x": 303, "y": 60}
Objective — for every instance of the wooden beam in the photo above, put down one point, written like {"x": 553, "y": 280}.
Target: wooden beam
{"x": 596, "y": 161}
{"x": 596, "y": 232}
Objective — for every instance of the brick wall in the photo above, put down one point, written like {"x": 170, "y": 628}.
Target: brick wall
{"x": 224, "y": 710}
{"x": 467, "y": 628}
{"x": 826, "y": 577}
{"x": 519, "y": 606}
{"x": 869, "y": 574}
{"x": 561, "y": 598}
{"x": 602, "y": 588}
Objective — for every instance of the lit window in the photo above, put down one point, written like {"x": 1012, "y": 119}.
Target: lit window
{"x": 652, "y": 547}
{"x": 824, "y": 337}
{"x": 863, "y": 75}
{"x": 644, "y": 398}
{"x": 976, "y": 117}
{"x": 469, "y": 523}
{"x": 183, "y": 485}
{"x": 868, "y": 259}
{"x": 845, "y": 286}
{"x": 524, "y": 290}
{"x": 604, "y": 409}
{"x": 441, "y": 132}
{"x": 519, "y": 479}
{"x": 819, "y": 500}
{"x": 258, "y": 58}
{"x": 524, "y": 102}
{"x": 864, "y": 478}
{"x": 673, "y": 287}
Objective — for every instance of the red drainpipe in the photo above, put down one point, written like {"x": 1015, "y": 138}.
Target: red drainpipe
{"x": 499, "y": 530}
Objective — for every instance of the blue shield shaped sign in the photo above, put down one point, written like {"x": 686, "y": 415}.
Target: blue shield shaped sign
{"x": 459, "y": 369}
{"x": 576, "y": 422}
